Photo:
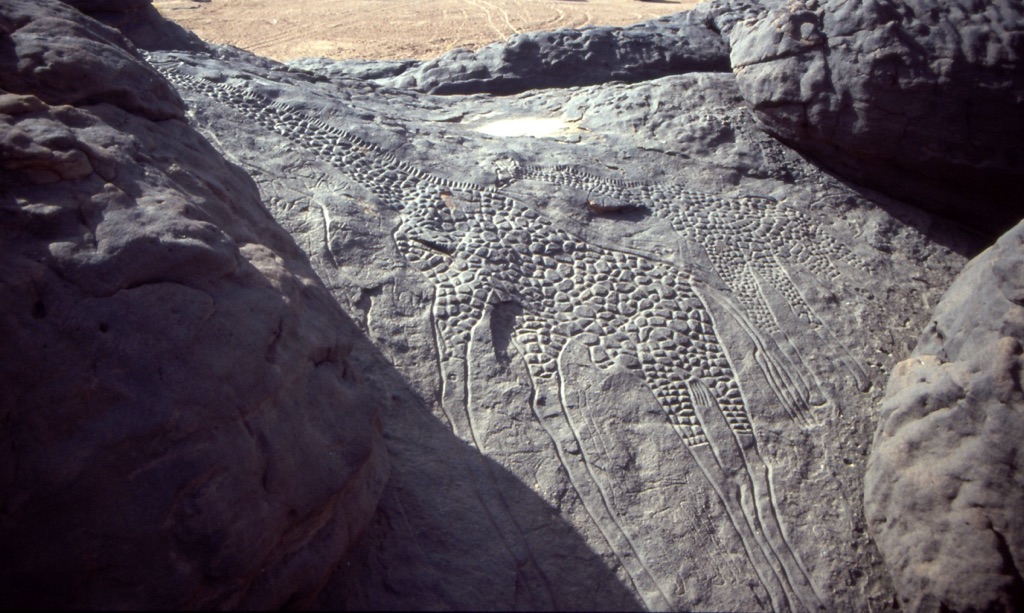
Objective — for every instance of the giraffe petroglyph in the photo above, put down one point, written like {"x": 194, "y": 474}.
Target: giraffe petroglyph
{"x": 482, "y": 249}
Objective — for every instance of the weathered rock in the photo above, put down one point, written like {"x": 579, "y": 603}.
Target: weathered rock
{"x": 638, "y": 345}
{"x": 354, "y": 69}
{"x": 180, "y": 424}
{"x": 62, "y": 57}
{"x": 944, "y": 487}
{"x": 564, "y": 58}
{"x": 575, "y": 281}
{"x": 921, "y": 99}
{"x": 140, "y": 22}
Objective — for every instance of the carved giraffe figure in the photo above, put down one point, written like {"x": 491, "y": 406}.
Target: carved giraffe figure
{"x": 750, "y": 242}
{"x": 642, "y": 315}
{"x": 482, "y": 249}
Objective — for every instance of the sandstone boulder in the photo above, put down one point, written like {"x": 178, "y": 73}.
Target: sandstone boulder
{"x": 922, "y": 99}
{"x": 63, "y": 57}
{"x": 180, "y": 425}
{"x": 535, "y": 60}
{"x": 629, "y": 349}
{"x": 944, "y": 486}
{"x": 140, "y": 22}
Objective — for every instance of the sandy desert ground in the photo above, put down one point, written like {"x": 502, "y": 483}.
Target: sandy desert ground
{"x": 393, "y": 29}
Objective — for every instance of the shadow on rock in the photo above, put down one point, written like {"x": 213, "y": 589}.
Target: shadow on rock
{"x": 456, "y": 530}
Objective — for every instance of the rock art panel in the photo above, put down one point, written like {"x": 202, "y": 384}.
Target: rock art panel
{"x": 750, "y": 242}
{"x": 547, "y": 294}
{"x": 635, "y": 345}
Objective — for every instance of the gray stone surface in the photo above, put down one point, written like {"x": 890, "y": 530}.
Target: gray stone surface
{"x": 140, "y": 22}
{"x": 51, "y": 49}
{"x": 680, "y": 43}
{"x": 109, "y": 6}
{"x": 354, "y": 69}
{"x": 657, "y": 336}
{"x": 944, "y": 487}
{"x": 922, "y": 99}
{"x": 180, "y": 422}
{"x": 628, "y": 349}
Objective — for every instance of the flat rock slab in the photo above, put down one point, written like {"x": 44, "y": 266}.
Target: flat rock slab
{"x": 644, "y": 343}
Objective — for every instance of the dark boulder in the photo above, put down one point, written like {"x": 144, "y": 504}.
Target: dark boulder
{"x": 180, "y": 425}
{"x": 54, "y": 52}
{"x": 921, "y": 99}
{"x": 672, "y": 45}
{"x": 109, "y": 6}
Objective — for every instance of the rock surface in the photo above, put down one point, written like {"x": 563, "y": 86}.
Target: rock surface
{"x": 181, "y": 426}
{"x": 671, "y": 45}
{"x": 944, "y": 487}
{"x": 52, "y": 46}
{"x": 628, "y": 349}
{"x": 645, "y": 341}
{"x": 109, "y": 6}
{"x": 921, "y": 99}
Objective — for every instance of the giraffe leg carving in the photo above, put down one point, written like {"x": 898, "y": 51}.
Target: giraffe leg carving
{"x": 734, "y": 465}
{"x": 563, "y": 429}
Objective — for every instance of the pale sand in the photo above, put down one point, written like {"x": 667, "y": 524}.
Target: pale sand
{"x": 393, "y": 29}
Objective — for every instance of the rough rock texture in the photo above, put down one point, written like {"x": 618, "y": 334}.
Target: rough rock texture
{"x": 629, "y": 349}
{"x": 945, "y": 487}
{"x": 55, "y": 53}
{"x": 922, "y": 99}
{"x": 672, "y": 45}
{"x": 139, "y": 21}
{"x": 645, "y": 341}
{"x": 109, "y": 6}
{"x": 180, "y": 425}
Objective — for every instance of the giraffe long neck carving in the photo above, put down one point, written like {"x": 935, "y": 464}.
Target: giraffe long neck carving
{"x": 481, "y": 248}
